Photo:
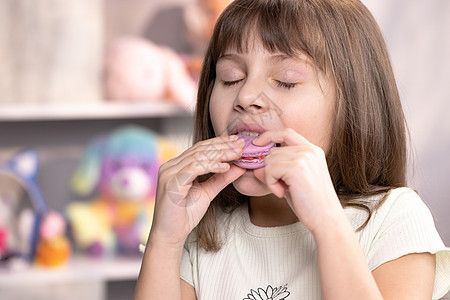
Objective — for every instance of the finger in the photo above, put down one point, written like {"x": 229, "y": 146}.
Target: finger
{"x": 290, "y": 152}
{"x": 219, "y": 181}
{"x": 286, "y": 136}
{"x": 217, "y": 150}
{"x": 278, "y": 188}
{"x": 178, "y": 186}
{"x": 208, "y": 158}
{"x": 216, "y": 143}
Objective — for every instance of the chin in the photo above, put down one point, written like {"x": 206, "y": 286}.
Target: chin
{"x": 249, "y": 185}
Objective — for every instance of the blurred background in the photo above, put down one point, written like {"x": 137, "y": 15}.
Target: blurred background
{"x": 84, "y": 84}
{"x": 418, "y": 37}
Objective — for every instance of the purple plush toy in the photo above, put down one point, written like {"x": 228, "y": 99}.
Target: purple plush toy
{"x": 120, "y": 171}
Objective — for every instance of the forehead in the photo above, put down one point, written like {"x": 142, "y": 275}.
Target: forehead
{"x": 288, "y": 29}
{"x": 253, "y": 34}
{"x": 253, "y": 43}
{"x": 249, "y": 41}
{"x": 272, "y": 58}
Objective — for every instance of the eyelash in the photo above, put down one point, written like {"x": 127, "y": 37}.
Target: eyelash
{"x": 230, "y": 83}
{"x": 286, "y": 85}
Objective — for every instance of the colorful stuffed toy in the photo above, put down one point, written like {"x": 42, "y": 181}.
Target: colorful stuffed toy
{"x": 136, "y": 70}
{"x": 25, "y": 217}
{"x": 120, "y": 171}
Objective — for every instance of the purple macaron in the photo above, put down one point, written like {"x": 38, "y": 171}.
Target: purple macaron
{"x": 252, "y": 156}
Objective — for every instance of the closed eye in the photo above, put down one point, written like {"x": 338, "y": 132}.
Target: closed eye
{"x": 230, "y": 83}
{"x": 287, "y": 85}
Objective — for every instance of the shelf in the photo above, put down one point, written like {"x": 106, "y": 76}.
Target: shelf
{"x": 81, "y": 278}
{"x": 86, "y": 111}
{"x": 79, "y": 269}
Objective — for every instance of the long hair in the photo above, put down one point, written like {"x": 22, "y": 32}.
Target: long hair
{"x": 367, "y": 154}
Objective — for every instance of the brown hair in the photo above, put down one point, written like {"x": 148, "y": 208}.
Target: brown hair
{"x": 367, "y": 154}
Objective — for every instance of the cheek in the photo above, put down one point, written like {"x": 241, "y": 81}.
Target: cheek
{"x": 313, "y": 125}
{"x": 215, "y": 117}
{"x": 218, "y": 112}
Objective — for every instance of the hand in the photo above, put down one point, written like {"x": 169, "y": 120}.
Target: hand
{"x": 181, "y": 201}
{"x": 298, "y": 171}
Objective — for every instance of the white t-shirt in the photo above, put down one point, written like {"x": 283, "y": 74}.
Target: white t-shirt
{"x": 281, "y": 262}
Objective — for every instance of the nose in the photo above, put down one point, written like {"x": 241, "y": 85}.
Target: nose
{"x": 251, "y": 98}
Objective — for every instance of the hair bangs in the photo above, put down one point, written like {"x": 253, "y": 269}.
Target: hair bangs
{"x": 279, "y": 28}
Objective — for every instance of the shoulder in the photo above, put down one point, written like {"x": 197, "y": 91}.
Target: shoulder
{"x": 404, "y": 198}
{"x": 385, "y": 207}
{"x": 402, "y": 224}
{"x": 401, "y": 205}
{"x": 400, "y": 211}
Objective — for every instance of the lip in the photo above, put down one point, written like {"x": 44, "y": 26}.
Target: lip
{"x": 247, "y": 127}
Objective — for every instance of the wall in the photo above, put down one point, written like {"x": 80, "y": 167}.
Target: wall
{"x": 417, "y": 33}
{"x": 131, "y": 16}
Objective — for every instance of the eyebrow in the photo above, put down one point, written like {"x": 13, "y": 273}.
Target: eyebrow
{"x": 281, "y": 57}
{"x": 230, "y": 56}
{"x": 276, "y": 57}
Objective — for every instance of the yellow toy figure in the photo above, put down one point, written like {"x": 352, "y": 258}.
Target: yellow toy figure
{"x": 120, "y": 171}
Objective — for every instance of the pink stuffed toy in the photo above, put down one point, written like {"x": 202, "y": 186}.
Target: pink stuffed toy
{"x": 135, "y": 69}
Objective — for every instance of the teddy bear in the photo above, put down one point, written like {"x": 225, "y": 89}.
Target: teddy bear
{"x": 118, "y": 176}
{"x": 137, "y": 70}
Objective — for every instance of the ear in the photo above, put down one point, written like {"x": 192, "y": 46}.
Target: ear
{"x": 25, "y": 163}
{"x": 87, "y": 175}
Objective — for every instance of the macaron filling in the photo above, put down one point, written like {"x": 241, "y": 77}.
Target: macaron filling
{"x": 252, "y": 156}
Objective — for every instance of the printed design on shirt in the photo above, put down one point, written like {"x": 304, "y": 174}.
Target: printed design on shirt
{"x": 269, "y": 293}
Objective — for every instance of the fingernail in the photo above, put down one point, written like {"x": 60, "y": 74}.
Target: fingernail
{"x": 255, "y": 140}
{"x": 232, "y": 137}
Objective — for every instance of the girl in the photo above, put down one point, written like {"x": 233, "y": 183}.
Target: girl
{"x": 326, "y": 217}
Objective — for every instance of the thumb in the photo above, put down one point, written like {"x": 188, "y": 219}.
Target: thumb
{"x": 219, "y": 181}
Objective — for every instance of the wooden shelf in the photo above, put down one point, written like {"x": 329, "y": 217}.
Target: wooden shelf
{"x": 86, "y": 111}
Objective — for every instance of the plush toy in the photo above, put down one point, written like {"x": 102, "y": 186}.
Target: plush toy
{"x": 24, "y": 215}
{"x": 119, "y": 171}
{"x": 135, "y": 69}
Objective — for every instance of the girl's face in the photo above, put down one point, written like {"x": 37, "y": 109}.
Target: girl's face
{"x": 258, "y": 91}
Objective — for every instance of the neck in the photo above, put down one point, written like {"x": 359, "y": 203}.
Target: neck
{"x": 270, "y": 211}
